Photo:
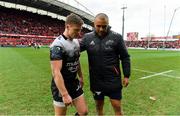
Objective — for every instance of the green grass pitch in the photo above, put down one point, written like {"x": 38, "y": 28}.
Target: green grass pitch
{"x": 25, "y": 78}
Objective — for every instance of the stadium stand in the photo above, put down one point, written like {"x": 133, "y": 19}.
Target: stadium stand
{"x": 154, "y": 44}
{"x": 18, "y": 27}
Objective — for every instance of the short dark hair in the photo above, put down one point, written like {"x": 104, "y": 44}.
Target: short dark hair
{"x": 74, "y": 19}
{"x": 102, "y": 16}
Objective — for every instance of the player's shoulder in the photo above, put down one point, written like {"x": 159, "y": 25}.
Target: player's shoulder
{"x": 76, "y": 41}
{"x": 57, "y": 47}
{"x": 90, "y": 34}
{"x": 58, "y": 41}
{"x": 115, "y": 35}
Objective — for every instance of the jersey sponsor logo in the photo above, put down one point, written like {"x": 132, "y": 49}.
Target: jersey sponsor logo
{"x": 72, "y": 63}
{"x": 92, "y": 43}
{"x": 73, "y": 66}
{"x": 98, "y": 92}
{"x": 73, "y": 69}
{"x": 58, "y": 48}
{"x": 79, "y": 86}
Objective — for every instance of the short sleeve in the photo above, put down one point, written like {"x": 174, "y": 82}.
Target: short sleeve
{"x": 56, "y": 53}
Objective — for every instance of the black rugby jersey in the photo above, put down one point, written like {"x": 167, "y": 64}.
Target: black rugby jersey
{"x": 67, "y": 51}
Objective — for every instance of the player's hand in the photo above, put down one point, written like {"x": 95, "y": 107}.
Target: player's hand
{"x": 67, "y": 99}
{"x": 125, "y": 81}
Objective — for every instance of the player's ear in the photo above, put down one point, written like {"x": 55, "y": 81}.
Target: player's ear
{"x": 67, "y": 26}
{"x": 108, "y": 27}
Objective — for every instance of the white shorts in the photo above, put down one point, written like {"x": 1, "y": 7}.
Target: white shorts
{"x": 61, "y": 104}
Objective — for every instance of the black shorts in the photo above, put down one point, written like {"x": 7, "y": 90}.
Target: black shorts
{"x": 99, "y": 95}
{"x": 73, "y": 87}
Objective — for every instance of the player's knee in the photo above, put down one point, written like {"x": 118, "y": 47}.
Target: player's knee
{"x": 84, "y": 112}
{"x": 117, "y": 108}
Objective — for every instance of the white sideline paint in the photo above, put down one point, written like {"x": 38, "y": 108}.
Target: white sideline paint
{"x": 143, "y": 70}
{"x": 156, "y": 74}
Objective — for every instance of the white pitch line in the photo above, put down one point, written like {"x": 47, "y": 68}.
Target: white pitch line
{"x": 143, "y": 70}
{"x": 156, "y": 74}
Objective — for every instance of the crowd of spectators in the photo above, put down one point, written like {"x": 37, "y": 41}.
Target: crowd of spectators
{"x": 154, "y": 44}
{"x": 14, "y": 21}
{"x": 23, "y": 22}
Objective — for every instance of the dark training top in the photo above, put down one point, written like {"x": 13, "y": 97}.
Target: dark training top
{"x": 104, "y": 56}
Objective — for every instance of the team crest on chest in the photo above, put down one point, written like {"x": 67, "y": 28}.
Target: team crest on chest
{"x": 109, "y": 42}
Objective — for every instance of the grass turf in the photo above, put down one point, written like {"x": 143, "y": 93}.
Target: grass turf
{"x": 25, "y": 78}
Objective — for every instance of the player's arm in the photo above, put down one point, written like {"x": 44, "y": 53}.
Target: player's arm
{"x": 59, "y": 81}
{"x": 80, "y": 75}
{"x": 125, "y": 60}
{"x": 56, "y": 66}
